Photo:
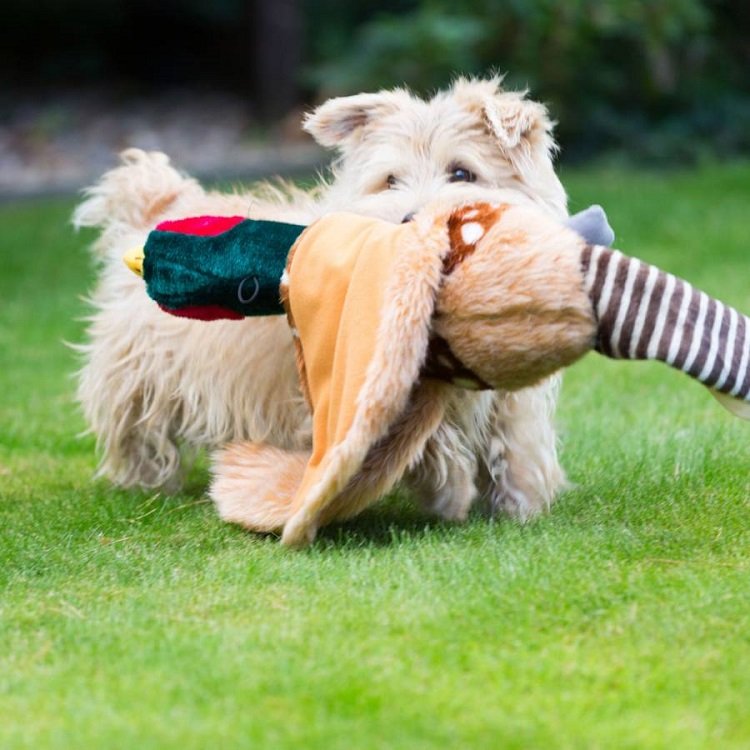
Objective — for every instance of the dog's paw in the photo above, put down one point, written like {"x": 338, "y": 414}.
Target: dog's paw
{"x": 453, "y": 500}
{"x": 505, "y": 493}
{"x": 452, "y": 506}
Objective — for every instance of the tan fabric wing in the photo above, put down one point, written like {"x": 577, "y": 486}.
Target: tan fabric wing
{"x": 360, "y": 295}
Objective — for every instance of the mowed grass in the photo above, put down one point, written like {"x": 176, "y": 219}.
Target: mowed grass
{"x": 619, "y": 620}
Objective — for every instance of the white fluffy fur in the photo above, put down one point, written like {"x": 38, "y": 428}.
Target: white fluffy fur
{"x": 153, "y": 386}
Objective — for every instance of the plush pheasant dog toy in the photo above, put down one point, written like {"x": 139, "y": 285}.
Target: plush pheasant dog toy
{"x": 388, "y": 318}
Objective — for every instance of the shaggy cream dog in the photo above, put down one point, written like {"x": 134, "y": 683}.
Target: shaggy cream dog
{"x": 154, "y": 388}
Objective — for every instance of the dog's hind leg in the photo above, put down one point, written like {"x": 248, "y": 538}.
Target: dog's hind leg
{"x": 126, "y": 385}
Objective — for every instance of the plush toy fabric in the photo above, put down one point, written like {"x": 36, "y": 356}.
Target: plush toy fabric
{"x": 212, "y": 267}
{"x": 388, "y": 318}
{"x": 505, "y": 292}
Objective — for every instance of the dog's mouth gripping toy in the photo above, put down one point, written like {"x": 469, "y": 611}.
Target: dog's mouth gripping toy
{"x": 387, "y": 318}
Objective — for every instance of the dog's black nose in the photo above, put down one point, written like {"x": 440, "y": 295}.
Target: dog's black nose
{"x": 408, "y": 217}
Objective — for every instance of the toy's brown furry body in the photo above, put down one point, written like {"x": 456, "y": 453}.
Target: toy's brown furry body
{"x": 154, "y": 387}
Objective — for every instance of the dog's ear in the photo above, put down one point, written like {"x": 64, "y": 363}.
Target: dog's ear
{"x": 522, "y": 130}
{"x": 336, "y": 122}
{"x": 517, "y": 121}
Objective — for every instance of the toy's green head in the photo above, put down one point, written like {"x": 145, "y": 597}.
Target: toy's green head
{"x": 210, "y": 267}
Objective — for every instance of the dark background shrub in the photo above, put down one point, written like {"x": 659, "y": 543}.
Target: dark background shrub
{"x": 663, "y": 80}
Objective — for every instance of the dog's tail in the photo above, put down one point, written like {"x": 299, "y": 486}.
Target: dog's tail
{"x": 133, "y": 195}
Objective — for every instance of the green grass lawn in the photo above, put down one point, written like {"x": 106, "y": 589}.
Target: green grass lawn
{"x": 620, "y": 620}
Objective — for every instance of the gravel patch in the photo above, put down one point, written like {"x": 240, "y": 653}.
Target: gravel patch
{"x": 61, "y": 143}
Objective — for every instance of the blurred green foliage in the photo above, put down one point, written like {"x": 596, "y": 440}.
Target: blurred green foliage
{"x": 663, "y": 79}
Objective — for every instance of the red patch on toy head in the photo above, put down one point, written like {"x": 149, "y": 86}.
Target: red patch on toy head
{"x": 204, "y": 312}
{"x": 201, "y": 226}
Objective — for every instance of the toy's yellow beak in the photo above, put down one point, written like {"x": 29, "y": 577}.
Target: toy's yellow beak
{"x": 134, "y": 260}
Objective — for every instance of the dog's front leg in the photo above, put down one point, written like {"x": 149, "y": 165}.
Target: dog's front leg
{"x": 445, "y": 480}
{"x": 523, "y": 473}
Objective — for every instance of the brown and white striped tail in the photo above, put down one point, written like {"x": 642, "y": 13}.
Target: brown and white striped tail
{"x": 645, "y": 313}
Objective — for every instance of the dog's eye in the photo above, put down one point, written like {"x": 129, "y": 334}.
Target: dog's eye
{"x": 461, "y": 174}
{"x": 391, "y": 181}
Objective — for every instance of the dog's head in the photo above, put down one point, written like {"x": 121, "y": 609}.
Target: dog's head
{"x": 398, "y": 153}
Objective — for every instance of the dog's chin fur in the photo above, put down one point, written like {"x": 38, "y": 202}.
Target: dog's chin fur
{"x": 155, "y": 387}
